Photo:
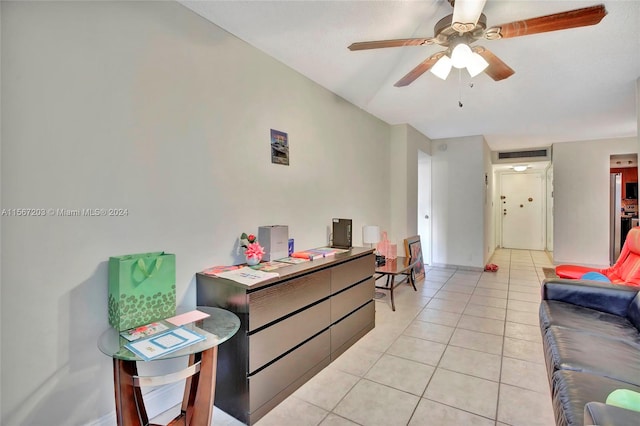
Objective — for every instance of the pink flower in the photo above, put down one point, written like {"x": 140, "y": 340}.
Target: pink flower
{"x": 254, "y": 250}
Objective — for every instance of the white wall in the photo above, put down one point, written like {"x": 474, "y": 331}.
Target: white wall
{"x": 459, "y": 223}
{"x": 581, "y": 199}
{"x": 549, "y": 207}
{"x": 403, "y": 185}
{"x": 1, "y": 132}
{"x": 148, "y": 107}
{"x": 489, "y": 240}
{"x": 398, "y": 184}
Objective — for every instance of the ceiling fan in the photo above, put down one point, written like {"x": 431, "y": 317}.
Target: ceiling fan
{"x": 467, "y": 25}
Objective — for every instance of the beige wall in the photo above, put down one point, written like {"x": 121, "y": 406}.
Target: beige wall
{"x": 461, "y": 229}
{"x": 146, "y": 106}
{"x": 581, "y": 199}
{"x": 403, "y": 185}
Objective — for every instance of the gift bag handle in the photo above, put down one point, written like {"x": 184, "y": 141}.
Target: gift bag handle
{"x": 143, "y": 267}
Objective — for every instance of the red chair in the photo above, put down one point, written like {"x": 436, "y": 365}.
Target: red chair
{"x": 625, "y": 271}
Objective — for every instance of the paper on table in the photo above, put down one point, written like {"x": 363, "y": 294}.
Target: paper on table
{"x": 247, "y": 275}
{"x": 187, "y": 318}
{"x": 164, "y": 343}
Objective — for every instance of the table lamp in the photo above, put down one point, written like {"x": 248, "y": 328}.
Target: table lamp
{"x": 370, "y": 234}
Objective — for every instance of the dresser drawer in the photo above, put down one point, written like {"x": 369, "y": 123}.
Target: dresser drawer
{"x": 266, "y": 384}
{"x": 349, "y": 273}
{"x": 269, "y": 304}
{"x": 352, "y": 325}
{"x": 273, "y": 341}
{"x": 347, "y": 301}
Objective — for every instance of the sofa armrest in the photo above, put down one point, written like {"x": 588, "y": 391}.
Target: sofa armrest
{"x": 605, "y": 297}
{"x": 597, "y": 413}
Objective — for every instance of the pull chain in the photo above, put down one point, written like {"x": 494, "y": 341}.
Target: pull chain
{"x": 460, "y": 104}
{"x": 460, "y": 87}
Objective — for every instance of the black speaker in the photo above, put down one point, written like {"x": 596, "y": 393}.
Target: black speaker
{"x": 341, "y": 233}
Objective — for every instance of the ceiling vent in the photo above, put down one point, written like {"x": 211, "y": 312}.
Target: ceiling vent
{"x": 528, "y": 155}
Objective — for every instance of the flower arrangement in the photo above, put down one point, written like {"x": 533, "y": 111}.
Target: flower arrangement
{"x": 253, "y": 251}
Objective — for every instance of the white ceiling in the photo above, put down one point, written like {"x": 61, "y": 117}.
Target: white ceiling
{"x": 569, "y": 85}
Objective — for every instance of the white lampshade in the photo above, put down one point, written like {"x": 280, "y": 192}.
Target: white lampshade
{"x": 370, "y": 234}
{"x": 460, "y": 55}
{"x": 442, "y": 68}
{"x": 520, "y": 168}
{"x": 476, "y": 64}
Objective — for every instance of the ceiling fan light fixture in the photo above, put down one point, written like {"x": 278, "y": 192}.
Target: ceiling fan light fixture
{"x": 466, "y": 14}
{"x": 476, "y": 64}
{"x": 442, "y": 68}
{"x": 460, "y": 55}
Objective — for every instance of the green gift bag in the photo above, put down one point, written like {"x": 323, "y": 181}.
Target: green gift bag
{"x": 142, "y": 289}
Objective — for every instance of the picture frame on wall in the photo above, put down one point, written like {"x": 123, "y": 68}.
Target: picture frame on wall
{"x": 279, "y": 147}
{"x": 413, "y": 250}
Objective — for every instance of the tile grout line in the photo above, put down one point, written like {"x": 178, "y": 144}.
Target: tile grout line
{"x": 421, "y": 396}
{"x": 504, "y": 331}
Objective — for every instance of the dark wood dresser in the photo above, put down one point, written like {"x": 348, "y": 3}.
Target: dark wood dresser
{"x": 291, "y": 327}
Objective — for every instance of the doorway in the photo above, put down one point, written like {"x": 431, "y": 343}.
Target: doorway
{"x": 623, "y": 205}
{"x": 424, "y": 205}
{"x": 522, "y": 210}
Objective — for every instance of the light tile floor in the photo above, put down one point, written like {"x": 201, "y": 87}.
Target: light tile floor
{"x": 464, "y": 350}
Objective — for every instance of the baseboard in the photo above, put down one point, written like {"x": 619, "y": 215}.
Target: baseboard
{"x": 156, "y": 401}
{"x": 458, "y": 267}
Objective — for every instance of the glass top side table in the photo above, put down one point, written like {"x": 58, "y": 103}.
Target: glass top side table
{"x": 200, "y": 375}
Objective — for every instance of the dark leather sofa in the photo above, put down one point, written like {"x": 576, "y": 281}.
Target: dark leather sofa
{"x": 591, "y": 339}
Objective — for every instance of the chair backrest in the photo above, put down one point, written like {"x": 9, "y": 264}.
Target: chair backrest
{"x": 633, "y": 240}
{"x": 627, "y": 268}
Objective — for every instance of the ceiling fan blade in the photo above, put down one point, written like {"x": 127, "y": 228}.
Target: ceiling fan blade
{"x": 419, "y": 70}
{"x": 364, "y": 45}
{"x": 466, "y": 14}
{"x": 557, "y": 21}
{"x": 497, "y": 69}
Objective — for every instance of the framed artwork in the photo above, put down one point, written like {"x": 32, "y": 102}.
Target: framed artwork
{"x": 279, "y": 147}
{"x": 413, "y": 250}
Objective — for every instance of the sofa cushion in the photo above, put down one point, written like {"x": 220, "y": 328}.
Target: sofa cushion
{"x": 610, "y": 298}
{"x": 572, "y": 390}
{"x": 597, "y": 413}
{"x": 633, "y": 313}
{"x": 587, "y": 320}
{"x": 570, "y": 349}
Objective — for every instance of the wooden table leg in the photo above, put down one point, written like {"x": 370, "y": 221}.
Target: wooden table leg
{"x": 412, "y": 279}
{"x": 130, "y": 409}
{"x": 205, "y": 389}
{"x": 197, "y": 403}
{"x": 190, "y": 385}
{"x": 391, "y": 283}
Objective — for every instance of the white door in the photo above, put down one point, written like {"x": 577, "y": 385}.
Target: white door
{"x": 424, "y": 205}
{"x": 522, "y": 210}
